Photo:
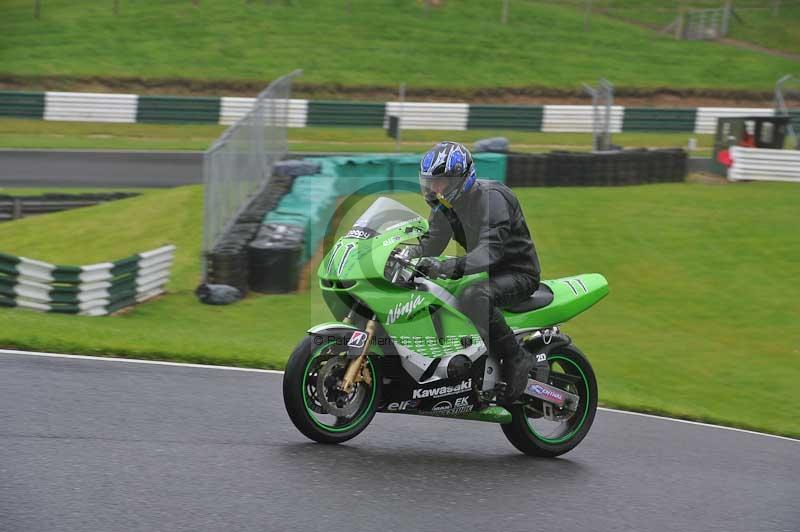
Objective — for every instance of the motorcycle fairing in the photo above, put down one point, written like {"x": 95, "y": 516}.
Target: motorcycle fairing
{"x": 423, "y": 322}
{"x": 330, "y": 326}
{"x": 571, "y": 296}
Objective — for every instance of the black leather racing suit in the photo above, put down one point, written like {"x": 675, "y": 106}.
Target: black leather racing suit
{"x": 488, "y": 223}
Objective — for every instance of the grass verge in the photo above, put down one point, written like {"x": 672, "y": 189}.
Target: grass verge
{"x": 20, "y": 133}
{"x": 700, "y": 322}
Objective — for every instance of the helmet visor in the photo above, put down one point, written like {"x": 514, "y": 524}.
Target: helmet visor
{"x": 438, "y": 186}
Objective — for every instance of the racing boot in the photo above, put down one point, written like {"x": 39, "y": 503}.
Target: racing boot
{"x": 517, "y": 365}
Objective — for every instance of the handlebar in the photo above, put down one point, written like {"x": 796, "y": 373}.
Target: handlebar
{"x": 406, "y": 263}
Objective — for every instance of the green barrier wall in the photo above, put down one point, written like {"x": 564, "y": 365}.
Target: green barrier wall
{"x": 644, "y": 119}
{"x": 313, "y": 199}
{"x": 22, "y": 104}
{"x": 177, "y": 109}
{"x": 325, "y": 113}
{"x": 528, "y": 117}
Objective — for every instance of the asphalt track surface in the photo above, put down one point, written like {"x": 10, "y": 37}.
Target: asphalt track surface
{"x": 117, "y": 169}
{"x": 99, "y": 169}
{"x": 96, "y": 445}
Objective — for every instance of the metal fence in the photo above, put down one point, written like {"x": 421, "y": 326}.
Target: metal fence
{"x": 239, "y": 164}
{"x": 704, "y": 24}
{"x": 602, "y": 103}
{"x": 787, "y": 92}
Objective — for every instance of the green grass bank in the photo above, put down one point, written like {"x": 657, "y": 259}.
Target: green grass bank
{"x": 700, "y": 321}
{"x": 373, "y": 43}
{"x": 759, "y": 22}
{"x": 43, "y": 134}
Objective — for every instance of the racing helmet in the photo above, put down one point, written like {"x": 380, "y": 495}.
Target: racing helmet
{"x": 446, "y": 172}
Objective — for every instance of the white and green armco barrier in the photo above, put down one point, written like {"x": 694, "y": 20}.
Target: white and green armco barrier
{"x": 131, "y": 108}
{"x": 94, "y": 290}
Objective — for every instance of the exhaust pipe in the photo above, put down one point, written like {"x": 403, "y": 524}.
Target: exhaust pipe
{"x": 551, "y": 394}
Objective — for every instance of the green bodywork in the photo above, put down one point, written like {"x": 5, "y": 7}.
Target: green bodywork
{"x": 353, "y": 270}
{"x": 491, "y": 414}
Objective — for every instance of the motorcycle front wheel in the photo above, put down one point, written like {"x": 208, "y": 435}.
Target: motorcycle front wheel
{"x": 311, "y": 397}
{"x": 539, "y": 431}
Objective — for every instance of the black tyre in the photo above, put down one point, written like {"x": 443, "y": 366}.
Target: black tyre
{"x": 533, "y": 433}
{"x": 301, "y": 396}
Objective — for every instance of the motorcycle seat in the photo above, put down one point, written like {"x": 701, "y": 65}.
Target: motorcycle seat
{"x": 542, "y": 297}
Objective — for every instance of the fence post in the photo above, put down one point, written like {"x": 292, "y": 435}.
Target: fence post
{"x": 504, "y": 15}
{"x": 587, "y": 16}
{"x": 400, "y": 117}
{"x": 37, "y": 8}
{"x": 681, "y": 22}
{"x": 16, "y": 209}
{"x": 608, "y": 92}
{"x": 726, "y": 17}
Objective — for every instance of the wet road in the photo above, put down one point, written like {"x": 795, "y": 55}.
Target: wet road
{"x": 94, "y": 445}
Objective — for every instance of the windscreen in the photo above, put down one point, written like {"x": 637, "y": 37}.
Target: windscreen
{"x": 382, "y": 216}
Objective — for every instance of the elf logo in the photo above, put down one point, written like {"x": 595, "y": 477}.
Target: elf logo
{"x": 442, "y": 391}
{"x": 411, "y": 404}
{"x": 404, "y": 310}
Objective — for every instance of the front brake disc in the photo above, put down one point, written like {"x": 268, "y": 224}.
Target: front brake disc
{"x": 333, "y": 400}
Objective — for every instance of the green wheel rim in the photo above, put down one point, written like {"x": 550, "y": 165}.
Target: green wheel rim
{"x": 571, "y": 433}
{"x": 331, "y": 428}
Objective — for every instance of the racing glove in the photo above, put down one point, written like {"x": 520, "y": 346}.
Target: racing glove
{"x": 435, "y": 268}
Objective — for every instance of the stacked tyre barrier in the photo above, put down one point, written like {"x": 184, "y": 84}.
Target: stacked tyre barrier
{"x": 268, "y": 257}
{"x": 294, "y": 229}
{"x": 310, "y": 206}
{"x": 14, "y": 207}
{"x": 227, "y": 263}
{"x": 94, "y": 290}
{"x": 274, "y": 258}
{"x": 624, "y": 167}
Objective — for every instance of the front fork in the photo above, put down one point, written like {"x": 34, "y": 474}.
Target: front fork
{"x": 356, "y": 371}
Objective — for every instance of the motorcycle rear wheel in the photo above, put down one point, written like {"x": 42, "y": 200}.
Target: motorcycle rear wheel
{"x": 300, "y": 393}
{"x": 534, "y": 434}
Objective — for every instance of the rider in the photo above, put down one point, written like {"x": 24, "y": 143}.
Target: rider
{"x": 485, "y": 218}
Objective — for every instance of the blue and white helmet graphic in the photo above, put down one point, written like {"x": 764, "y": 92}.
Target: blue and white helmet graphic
{"x": 445, "y": 172}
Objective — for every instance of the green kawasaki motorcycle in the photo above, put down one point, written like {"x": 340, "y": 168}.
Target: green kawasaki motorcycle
{"x": 400, "y": 345}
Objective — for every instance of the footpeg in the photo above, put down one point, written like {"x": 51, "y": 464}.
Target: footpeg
{"x": 500, "y": 390}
